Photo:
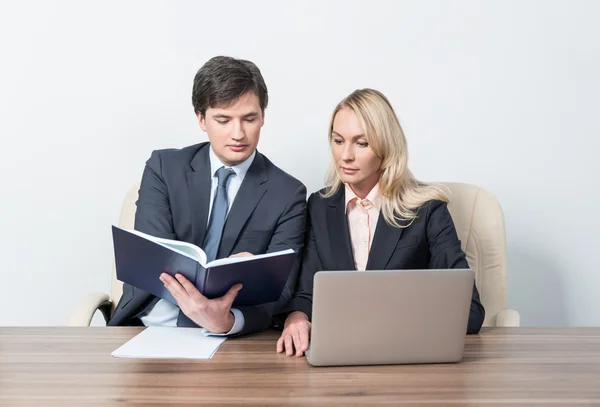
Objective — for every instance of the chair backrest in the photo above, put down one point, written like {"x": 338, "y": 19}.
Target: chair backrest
{"x": 479, "y": 223}
{"x": 126, "y": 221}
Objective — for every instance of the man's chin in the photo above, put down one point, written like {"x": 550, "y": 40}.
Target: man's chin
{"x": 235, "y": 158}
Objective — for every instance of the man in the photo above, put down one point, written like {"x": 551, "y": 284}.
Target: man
{"x": 223, "y": 196}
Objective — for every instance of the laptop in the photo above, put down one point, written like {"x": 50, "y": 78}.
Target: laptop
{"x": 389, "y": 317}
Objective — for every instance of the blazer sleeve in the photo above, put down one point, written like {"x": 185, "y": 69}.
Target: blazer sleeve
{"x": 446, "y": 253}
{"x": 288, "y": 234}
{"x": 311, "y": 264}
{"x": 153, "y": 215}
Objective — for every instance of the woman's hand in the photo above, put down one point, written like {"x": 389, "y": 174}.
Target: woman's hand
{"x": 295, "y": 335}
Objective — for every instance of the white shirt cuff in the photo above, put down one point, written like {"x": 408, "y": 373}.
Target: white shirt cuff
{"x": 237, "y": 327}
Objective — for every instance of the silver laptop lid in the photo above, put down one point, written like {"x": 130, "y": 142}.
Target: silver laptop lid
{"x": 390, "y": 316}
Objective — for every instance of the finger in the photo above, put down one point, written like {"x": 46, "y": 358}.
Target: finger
{"x": 185, "y": 283}
{"x": 192, "y": 292}
{"x": 280, "y": 344}
{"x": 179, "y": 298}
{"x": 173, "y": 286}
{"x": 175, "y": 295}
{"x": 304, "y": 337}
{"x": 289, "y": 347}
{"x": 231, "y": 294}
{"x": 297, "y": 343}
{"x": 166, "y": 278}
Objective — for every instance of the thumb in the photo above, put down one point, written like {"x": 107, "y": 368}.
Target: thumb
{"x": 232, "y": 293}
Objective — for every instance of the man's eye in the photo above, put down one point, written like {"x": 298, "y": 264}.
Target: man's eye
{"x": 222, "y": 122}
{"x": 251, "y": 120}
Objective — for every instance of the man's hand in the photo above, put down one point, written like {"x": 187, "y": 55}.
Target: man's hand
{"x": 213, "y": 315}
{"x": 242, "y": 254}
{"x": 296, "y": 334}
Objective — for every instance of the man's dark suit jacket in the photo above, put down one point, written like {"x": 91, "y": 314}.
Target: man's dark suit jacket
{"x": 267, "y": 215}
{"x": 430, "y": 242}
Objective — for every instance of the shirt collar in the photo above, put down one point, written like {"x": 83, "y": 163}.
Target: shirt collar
{"x": 373, "y": 196}
{"x": 240, "y": 169}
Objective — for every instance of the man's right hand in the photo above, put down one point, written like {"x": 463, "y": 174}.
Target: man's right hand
{"x": 296, "y": 334}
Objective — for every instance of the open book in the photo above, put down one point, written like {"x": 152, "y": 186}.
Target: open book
{"x": 140, "y": 259}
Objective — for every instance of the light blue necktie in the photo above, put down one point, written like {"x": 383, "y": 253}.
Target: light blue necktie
{"x": 218, "y": 214}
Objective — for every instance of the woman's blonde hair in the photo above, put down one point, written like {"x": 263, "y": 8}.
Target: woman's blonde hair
{"x": 401, "y": 193}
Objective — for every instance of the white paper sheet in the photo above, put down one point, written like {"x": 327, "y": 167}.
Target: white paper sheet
{"x": 173, "y": 343}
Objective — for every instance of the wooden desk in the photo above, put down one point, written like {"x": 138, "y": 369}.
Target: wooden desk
{"x": 73, "y": 366}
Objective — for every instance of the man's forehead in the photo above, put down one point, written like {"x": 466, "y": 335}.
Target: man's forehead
{"x": 245, "y": 104}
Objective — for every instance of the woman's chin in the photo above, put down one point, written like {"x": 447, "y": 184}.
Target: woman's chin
{"x": 351, "y": 181}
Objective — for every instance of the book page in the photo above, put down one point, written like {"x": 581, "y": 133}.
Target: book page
{"x": 185, "y": 248}
{"x": 241, "y": 259}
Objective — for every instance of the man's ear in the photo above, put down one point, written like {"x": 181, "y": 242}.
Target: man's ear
{"x": 202, "y": 121}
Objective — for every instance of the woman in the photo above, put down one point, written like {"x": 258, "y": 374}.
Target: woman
{"x": 373, "y": 214}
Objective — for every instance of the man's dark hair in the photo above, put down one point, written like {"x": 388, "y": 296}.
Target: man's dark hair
{"x": 222, "y": 80}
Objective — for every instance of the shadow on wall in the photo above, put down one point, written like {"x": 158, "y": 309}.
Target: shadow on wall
{"x": 535, "y": 288}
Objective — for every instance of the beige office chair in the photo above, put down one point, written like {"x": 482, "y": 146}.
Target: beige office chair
{"x": 479, "y": 223}
{"x": 480, "y": 226}
{"x": 86, "y": 307}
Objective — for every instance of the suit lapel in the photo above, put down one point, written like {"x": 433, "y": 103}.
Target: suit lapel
{"x": 199, "y": 184}
{"x": 249, "y": 195}
{"x": 384, "y": 242}
{"x": 339, "y": 236}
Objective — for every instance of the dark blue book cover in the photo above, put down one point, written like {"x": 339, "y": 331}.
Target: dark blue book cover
{"x": 140, "y": 259}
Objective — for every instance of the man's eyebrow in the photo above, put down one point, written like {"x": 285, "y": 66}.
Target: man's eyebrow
{"x": 224, "y": 116}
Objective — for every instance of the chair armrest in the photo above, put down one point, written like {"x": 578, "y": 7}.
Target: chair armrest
{"x": 508, "y": 318}
{"x": 86, "y": 307}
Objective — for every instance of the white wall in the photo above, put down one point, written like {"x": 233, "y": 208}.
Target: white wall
{"x": 500, "y": 94}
